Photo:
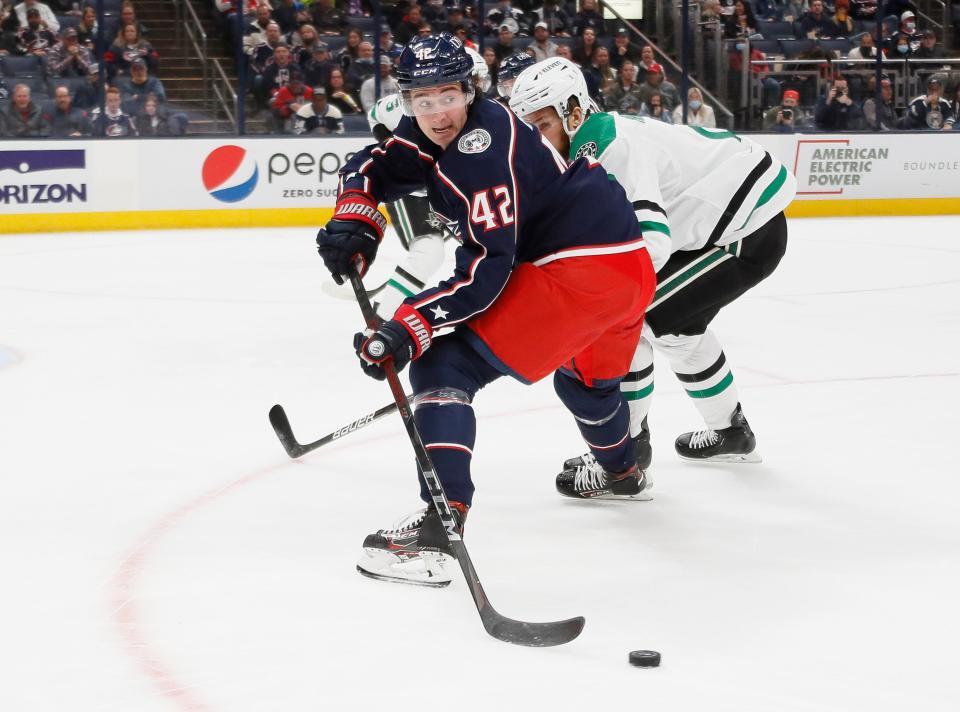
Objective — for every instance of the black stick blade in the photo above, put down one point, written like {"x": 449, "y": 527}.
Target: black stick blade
{"x": 281, "y": 426}
{"x": 533, "y": 635}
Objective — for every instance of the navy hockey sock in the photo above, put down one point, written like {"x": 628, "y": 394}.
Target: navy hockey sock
{"x": 603, "y": 418}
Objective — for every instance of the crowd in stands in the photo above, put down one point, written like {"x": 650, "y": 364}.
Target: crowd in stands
{"x": 310, "y": 65}
{"x": 50, "y": 64}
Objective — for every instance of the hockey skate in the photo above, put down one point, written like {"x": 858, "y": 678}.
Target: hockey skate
{"x": 584, "y": 478}
{"x": 734, "y": 444}
{"x": 641, "y": 444}
{"x": 415, "y": 551}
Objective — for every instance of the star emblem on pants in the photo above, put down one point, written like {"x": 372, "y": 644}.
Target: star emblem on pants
{"x": 438, "y": 312}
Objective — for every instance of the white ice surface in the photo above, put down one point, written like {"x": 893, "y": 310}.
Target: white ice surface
{"x": 159, "y": 552}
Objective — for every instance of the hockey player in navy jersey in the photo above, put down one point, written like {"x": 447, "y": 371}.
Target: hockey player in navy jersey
{"x": 552, "y": 276}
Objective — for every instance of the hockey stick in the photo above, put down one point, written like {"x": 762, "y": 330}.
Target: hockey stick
{"x": 281, "y": 426}
{"x": 500, "y": 627}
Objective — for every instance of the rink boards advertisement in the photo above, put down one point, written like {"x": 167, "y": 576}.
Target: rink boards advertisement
{"x": 119, "y": 184}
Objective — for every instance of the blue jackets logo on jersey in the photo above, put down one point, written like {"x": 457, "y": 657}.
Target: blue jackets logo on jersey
{"x": 477, "y": 141}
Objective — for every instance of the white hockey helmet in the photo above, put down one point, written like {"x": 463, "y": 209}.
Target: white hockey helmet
{"x": 551, "y": 83}
{"x": 481, "y": 71}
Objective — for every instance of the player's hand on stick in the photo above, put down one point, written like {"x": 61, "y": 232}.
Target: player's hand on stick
{"x": 352, "y": 236}
{"x": 403, "y": 339}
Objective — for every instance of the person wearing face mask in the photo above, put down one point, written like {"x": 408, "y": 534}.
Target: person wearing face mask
{"x": 907, "y": 36}
{"x": 698, "y": 113}
{"x": 866, "y": 49}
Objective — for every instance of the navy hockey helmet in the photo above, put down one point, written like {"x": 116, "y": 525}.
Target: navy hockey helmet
{"x": 433, "y": 61}
{"x": 510, "y": 69}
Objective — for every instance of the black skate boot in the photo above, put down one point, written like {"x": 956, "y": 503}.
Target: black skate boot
{"x": 641, "y": 444}
{"x": 588, "y": 480}
{"x": 734, "y": 444}
{"x": 415, "y": 551}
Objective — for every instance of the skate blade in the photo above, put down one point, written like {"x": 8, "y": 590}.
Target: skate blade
{"x": 428, "y": 569}
{"x": 747, "y": 458}
{"x": 644, "y": 496}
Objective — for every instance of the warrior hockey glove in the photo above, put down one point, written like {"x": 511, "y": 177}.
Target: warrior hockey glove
{"x": 352, "y": 236}
{"x": 403, "y": 339}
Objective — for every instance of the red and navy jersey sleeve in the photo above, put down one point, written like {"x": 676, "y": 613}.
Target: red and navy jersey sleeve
{"x": 476, "y": 181}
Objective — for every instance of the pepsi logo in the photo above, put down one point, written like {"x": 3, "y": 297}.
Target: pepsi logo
{"x": 230, "y": 174}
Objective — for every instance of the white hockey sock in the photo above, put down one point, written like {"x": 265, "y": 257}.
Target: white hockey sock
{"x": 411, "y": 275}
{"x": 637, "y": 385}
{"x": 700, "y": 364}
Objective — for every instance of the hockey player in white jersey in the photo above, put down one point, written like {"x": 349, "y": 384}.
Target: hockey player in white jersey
{"x": 710, "y": 204}
{"x": 420, "y": 230}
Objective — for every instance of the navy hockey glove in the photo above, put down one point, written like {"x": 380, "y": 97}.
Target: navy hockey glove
{"x": 403, "y": 339}
{"x": 352, "y": 236}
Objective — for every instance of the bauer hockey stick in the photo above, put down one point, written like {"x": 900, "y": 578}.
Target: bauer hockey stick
{"x": 500, "y": 627}
{"x": 281, "y": 426}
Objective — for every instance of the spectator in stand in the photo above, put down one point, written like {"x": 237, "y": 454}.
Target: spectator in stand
{"x": 600, "y": 64}
{"x": 128, "y": 16}
{"x": 793, "y": 10}
{"x": 955, "y": 107}
{"x": 624, "y": 50}
{"x": 47, "y": 15}
{"x": 588, "y": 17}
{"x": 766, "y": 10}
{"x": 255, "y": 33}
{"x": 154, "y": 120}
{"x": 493, "y": 68}
{"x": 902, "y": 47}
{"x": 836, "y": 111}
{"x": 87, "y": 28}
{"x": 388, "y": 85}
{"x": 815, "y": 23}
{"x": 584, "y": 46}
{"x": 69, "y": 58}
{"x": 788, "y": 116}
{"x": 907, "y": 31}
{"x": 888, "y": 112}
{"x": 87, "y": 96}
{"x": 302, "y": 43}
{"x": 362, "y": 67}
{"x": 67, "y": 121}
{"x": 656, "y": 83}
{"x": 930, "y": 110}
{"x": 653, "y": 108}
{"x": 318, "y": 117}
{"x": 288, "y": 101}
{"x": 289, "y": 14}
{"x": 113, "y": 122}
{"x": 866, "y": 49}
{"x": 758, "y": 66}
{"x": 711, "y": 12}
{"x": 263, "y": 52}
{"x": 128, "y": 47}
{"x": 316, "y": 72}
{"x": 504, "y": 46}
{"x": 387, "y": 45}
{"x": 135, "y": 89}
{"x": 455, "y": 18}
{"x": 503, "y": 13}
{"x": 357, "y": 8}
{"x": 565, "y": 52}
{"x": 23, "y": 118}
{"x": 4, "y": 93}
{"x": 340, "y": 96}
{"x": 928, "y": 47}
{"x": 9, "y": 27}
{"x": 698, "y": 113}
{"x": 542, "y": 46}
{"x": 409, "y": 25}
{"x": 557, "y": 19}
{"x": 435, "y": 13}
{"x": 741, "y": 22}
{"x": 35, "y": 38}
{"x": 351, "y": 50}
{"x": 841, "y": 25}
{"x": 624, "y": 94}
{"x": 647, "y": 58}
{"x": 327, "y": 18}
{"x": 277, "y": 73}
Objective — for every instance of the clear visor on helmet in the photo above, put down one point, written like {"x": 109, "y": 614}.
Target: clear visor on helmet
{"x": 505, "y": 88}
{"x": 434, "y": 100}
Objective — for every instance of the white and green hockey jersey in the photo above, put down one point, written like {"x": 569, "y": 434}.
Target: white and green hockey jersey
{"x": 690, "y": 186}
{"x": 386, "y": 111}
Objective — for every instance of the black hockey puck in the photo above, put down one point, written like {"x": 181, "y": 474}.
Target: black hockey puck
{"x": 644, "y": 658}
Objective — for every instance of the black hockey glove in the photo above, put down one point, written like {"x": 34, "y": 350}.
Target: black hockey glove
{"x": 352, "y": 236}
{"x": 403, "y": 339}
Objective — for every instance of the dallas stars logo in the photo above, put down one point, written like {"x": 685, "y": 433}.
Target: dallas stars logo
{"x": 587, "y": 149}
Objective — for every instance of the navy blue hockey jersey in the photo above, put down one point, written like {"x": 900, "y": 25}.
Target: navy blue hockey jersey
{"x": 506, "y": 193}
